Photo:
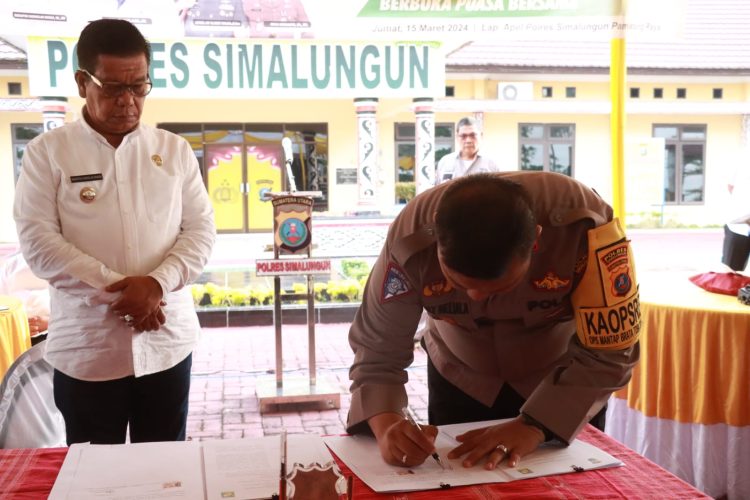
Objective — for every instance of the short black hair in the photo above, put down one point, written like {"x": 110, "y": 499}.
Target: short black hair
{"x": 112, "y": 37}
{"x": 482, "y": 223}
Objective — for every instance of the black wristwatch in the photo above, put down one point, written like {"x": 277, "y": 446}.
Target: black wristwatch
{"x": 548, "y": 436}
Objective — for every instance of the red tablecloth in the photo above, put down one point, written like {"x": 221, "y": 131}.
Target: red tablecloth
{"x": 30, "y": 474}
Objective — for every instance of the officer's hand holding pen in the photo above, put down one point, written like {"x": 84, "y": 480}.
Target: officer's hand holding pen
{"x": 412, "y": 421}
{"x": 400, "y": 442}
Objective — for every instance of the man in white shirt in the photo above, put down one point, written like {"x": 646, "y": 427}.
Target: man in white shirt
{"x": 114, "y": 215}
{"x": 467, "y": 160}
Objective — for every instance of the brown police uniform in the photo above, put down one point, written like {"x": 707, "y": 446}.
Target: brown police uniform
{"x": 581, "y": 274}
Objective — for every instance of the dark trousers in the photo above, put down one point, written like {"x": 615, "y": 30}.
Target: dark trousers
{"x": 736, "y": 249}
{"x": 447, "y": 404}
{"x": 154, "y": 406}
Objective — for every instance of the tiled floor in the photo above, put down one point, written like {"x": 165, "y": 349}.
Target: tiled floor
{"x": 229, "y": 362}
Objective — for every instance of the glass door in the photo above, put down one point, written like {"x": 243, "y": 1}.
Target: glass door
{"x": 263, "y": 170}
{"x": 226, "y": 180}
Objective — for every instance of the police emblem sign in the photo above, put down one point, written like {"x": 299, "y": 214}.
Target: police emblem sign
{"x": 292, "y": 216}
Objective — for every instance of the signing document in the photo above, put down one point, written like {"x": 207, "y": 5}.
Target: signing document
{"x": 211, "y": 470}
{"x": 360, "y": 453}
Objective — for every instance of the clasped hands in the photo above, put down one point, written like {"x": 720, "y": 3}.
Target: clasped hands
{"x": 403, "y": 444}
{"x": 140, "y": 302}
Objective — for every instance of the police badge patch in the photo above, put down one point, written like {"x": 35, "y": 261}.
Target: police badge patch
{"x": 395, "y": 283}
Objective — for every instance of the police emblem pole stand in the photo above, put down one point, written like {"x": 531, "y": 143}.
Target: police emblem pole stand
{"x": 292, "y": 252}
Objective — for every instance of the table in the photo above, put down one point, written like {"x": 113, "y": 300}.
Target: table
{"x": 30, "y": 474}
{"x": 687, "y": 407}
{"x": 14, "y": 332}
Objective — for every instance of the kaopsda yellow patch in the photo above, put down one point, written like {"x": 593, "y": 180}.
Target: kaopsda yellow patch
{"x": 606, "y": 301}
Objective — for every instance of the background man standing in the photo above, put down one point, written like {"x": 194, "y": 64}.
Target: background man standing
{"x": 467, "y": 160}
{"x": 114, "y": 215}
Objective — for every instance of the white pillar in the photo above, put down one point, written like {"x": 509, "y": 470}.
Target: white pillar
{"x": 367, "y": 140}
{"x": 746, "y": 130}
{"x": 479, "y": 117}
{"x": 424, "y": 150}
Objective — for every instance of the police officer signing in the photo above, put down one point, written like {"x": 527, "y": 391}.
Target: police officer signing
{"x": 533, "y": 316}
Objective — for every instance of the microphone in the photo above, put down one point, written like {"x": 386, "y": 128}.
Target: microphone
{"x": 286, "y": 144}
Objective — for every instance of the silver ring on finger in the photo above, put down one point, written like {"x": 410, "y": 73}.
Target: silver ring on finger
{"x": 403, "y": 459}
{"x": 502, "y": 448}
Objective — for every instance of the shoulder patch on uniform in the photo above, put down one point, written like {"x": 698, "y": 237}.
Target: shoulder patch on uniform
{"x": 606, "y": 302}
{"x": 395, "y": 283}
{"x": 617, "y": 264}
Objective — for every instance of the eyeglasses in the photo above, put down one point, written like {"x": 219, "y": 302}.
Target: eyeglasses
{"x": 141, "y": 89}
{"x": 463, "y": 137}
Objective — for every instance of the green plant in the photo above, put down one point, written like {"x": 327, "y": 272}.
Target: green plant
{"x": 321, "y": 292}
{"x": 344, "y": 291}
{"x": 261, "y": 297}
{"x": 198, "y": 292}
{"x": 405, "y": 191}
{"x": 355, "y": 269}
{"x": 218, "y": 297}
{"x": 238, "y": 297}
{"x": 213, "y": 295}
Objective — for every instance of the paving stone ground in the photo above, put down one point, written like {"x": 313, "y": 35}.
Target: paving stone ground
{"x": 229, "y": 362}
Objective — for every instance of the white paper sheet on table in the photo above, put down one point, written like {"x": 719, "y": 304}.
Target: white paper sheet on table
{"x": 237, "y": 468}
{"x": 362, "y": 456}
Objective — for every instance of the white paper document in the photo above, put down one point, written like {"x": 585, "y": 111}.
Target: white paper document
{"x": 242, "y": 468}
{"x": 208, "y": 470}
{"x": 362, "y": 455}
{"x": 133, "y": 471}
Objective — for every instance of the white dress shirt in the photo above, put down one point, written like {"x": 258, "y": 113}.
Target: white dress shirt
{"x": 451, "y": 166}
{"x": 150, "y": 216}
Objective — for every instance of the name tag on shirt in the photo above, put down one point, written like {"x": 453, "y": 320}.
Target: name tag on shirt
{"x": 86, "y": 178}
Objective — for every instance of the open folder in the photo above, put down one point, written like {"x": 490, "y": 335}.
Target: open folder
{"x": 361, "y": 455}
{"x": 211, "y": 470}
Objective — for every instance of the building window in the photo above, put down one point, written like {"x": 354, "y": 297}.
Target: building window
{"x": 21, "y": 134}
{"x": 658, "y": 93}
{"x": 546, "y": 91}
{"x": 14, "y": 88}
{"x": 450, "y": 91}
{"x": 570, "y": 92}
{"x": 718, "y": 93}
{"x": 684, "y": 163}
{"x": 405, "y": 140}
{"x": 547, "y": 147}
{"x": 635, "y": 92}
{"x": 681, "y": 93}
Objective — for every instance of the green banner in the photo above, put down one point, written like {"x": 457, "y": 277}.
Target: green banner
{"x": 228, "y": 68}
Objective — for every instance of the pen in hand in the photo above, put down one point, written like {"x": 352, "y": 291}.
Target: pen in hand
{"x": 413, "y": 421}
